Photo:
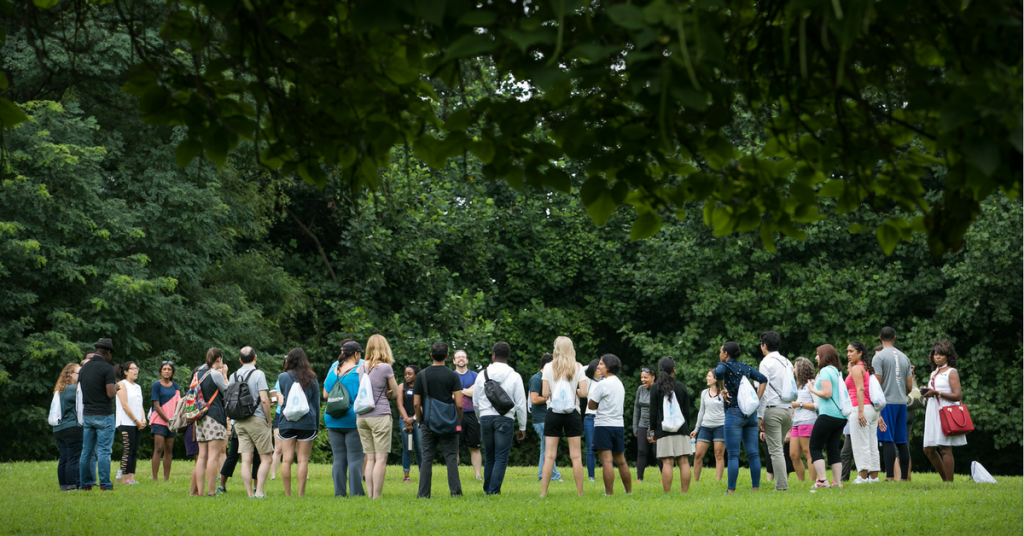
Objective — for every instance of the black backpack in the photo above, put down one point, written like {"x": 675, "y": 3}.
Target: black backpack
{"x": 497, "y": 396}
{"x": 238, "y": 401}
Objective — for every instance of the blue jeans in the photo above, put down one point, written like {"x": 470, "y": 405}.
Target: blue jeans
{"x": 738, "y": 427}
{"x": 406, "y": 453}
{"x": 555, "y": 475}
{"x": 588, "y": 436}
{"x": 496, "y": 433}
{"x": 97, "y": 440}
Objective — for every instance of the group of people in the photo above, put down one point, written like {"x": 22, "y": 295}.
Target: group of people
{"x": 443, "y": 409}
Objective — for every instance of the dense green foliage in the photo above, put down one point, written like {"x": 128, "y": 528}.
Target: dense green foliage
{"x": 874, "y": 509}
{"x": 102, "y": 234}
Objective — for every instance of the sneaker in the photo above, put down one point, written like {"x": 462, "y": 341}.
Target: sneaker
{"x": 591, "y": 479}
{"x": 221, "y": 489}
{"x": 639, "y": 480}
{"x": 860, "y": 480}
{"x": 873, "y": 480}
{"x": 821, "y": 484}
{"x": 837, "y": 485}
{"x": 118, "y": 475}
{"x": 259, "y": 496}
{"x": 85, "y": 488}
{"x": 406, "y": 480}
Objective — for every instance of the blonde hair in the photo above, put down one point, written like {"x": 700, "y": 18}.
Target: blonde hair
{"x": 563, "y": 362}
{"x": 378, "y": 351}
{"x": 65, "y": 377}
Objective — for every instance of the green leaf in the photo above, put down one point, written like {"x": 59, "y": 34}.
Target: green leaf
{"x": 644, "y": 226}
{"x": 558, "y": 179}
{"x": 833, "y": 188}
{"x": 478, "y": 18}
{"x": 3, "y": 81}
{"x": 483, "y": 149}
{"x": 187, "y": 151}
{"x": 470, "y": 45}
{"x": 599, "y": 202}
{"x": 629, "y": 17}
{"x": 216, "y": 147}
{"x": 983, "y": 154}
{"x": 525, "y": 40}
{"x": 888, "y": 238}
{"x": 45, "y": 4}
{"x": 10, "y": 114}
{"x": 458, "y": 120}
{"x": 767, "y": 239}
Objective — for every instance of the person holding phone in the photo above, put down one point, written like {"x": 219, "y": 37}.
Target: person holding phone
{"x": 943, "y": 390}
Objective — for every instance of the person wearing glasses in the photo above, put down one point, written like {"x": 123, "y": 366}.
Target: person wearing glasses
{"x": 164, "y": 395}
{"x": 130, "y": 419}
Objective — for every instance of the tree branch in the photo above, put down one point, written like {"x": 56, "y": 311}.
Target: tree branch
{"x": 315, "y": 241}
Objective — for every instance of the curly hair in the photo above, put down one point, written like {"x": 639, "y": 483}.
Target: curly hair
{"x": 864, "y": 357}
{"x": 944, "y": 347}
{"x": 804, "y": 370}
{"x": 65, "y": 377}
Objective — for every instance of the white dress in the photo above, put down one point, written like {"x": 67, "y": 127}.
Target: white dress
{"x": 932, "y": 425}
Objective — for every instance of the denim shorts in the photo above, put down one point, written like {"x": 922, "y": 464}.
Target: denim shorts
{"x": 711, "y": 435}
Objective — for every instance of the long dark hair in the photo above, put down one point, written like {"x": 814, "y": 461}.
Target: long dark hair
{"x": 297, "y": 364}
{"x": 212, "y": 355}
{"x": 121, "y": 371}
{"x": 666, "y": 382}
{"x": 864, "y": 357}
{"x": 592, "y": 368}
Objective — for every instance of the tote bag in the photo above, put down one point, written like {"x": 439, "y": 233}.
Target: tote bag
{"x": 55, "y": 411}
{"x": 672, "y": 415}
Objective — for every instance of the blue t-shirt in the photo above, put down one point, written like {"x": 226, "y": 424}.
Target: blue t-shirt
{"x": 351, "y": 382}
{"x": 309, "y": 421}
{"x": 162, "y": 394}
{"x": 467, "y": 380}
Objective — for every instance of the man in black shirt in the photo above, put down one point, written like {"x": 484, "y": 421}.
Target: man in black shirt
{"x": 437, "y": 390}
{"x": 98, "y": 385}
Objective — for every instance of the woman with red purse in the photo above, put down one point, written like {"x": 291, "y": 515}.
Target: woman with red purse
{"x": 943, "y": 392}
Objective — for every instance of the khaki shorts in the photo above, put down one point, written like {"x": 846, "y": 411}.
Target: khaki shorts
{"x": 254, "y": 435}
{"x": 375, "y": 433}
{"x": 208, "y": 429}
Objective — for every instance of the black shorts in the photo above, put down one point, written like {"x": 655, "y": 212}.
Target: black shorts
{"x": 611, "y": 438}
{"x": 301, "y": 435}
{"x": 470, "y": 431}
{"x": 563, "y": 424}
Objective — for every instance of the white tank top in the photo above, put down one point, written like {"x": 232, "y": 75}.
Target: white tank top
{"x": 134, "y": 395}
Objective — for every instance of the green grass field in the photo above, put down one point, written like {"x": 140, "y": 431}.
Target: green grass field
{"x": 34, "y": 505}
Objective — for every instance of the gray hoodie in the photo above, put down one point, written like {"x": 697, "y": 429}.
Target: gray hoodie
{"x": 511, "y": 382}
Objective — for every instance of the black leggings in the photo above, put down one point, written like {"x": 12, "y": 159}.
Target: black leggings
{"x": 130, "y": 448}
{"x": 827, "y": 434}
{"x": 643, "y": 451}
{"x": 889, "y": 450}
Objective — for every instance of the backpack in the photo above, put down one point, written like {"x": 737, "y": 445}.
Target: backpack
{"x": 497, "y": 396}
{"x": 563, "y": 397}
{"x": 295, "y": 405}
{"x": 746, "y": 397}
{"x": 56, "y": 414}
{"x": 671, "y": 414}
{"x": 364, "y": 402}
{"x": 195, "y": 404}
{"x": 875, "y": 393}
{"x": 441, "y": 418}
{"x": 788, "y": 392}
{"x": 238, "y": 400}
{"x": 339, "y": 400}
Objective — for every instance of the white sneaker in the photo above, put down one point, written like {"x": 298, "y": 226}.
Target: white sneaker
{"x": 873, "y": 480}
{"x": 860, "y": 480}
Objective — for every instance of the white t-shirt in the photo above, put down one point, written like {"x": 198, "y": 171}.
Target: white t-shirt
{"x": 134, "y": 395}
{"x": 609, "y": 395}
{"x": 549, "y": 376}
{"x": 590, "y": 387}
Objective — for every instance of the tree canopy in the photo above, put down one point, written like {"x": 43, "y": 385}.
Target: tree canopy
{"x": 855, "y": 100}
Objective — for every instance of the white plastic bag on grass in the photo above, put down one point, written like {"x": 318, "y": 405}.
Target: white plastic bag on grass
{"x": 980, "y": 475}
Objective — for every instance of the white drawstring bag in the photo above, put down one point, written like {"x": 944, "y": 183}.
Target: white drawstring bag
{"x": 563, "y": 399}
{"x": 364, "y": 402}
{"x": 980, "y": 475}
{"x": 296, "y": 406}
{"x": 746, "y": 397}
{"x": 79, "y": 405}
{"x": 55, "y": 411}
{"x": 875, "y": 393}
{"x": 672, "y": 415}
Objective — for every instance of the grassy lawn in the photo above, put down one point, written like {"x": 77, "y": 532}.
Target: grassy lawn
{"x": 34, "y": 505}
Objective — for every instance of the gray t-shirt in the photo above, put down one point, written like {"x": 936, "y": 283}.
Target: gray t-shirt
{"x": 257, "y": 382}
{"x": 894, "y": 368}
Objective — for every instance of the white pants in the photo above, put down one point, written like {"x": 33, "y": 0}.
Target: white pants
{"x": 864, "y": 439}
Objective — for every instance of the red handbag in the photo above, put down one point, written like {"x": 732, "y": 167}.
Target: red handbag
{"x": 956, "y": 420}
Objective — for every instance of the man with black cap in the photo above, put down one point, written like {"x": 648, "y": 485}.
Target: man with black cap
{"x": 99, "y": 386}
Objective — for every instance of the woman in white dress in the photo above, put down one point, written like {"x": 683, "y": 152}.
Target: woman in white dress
{"x": 943, "y": 390}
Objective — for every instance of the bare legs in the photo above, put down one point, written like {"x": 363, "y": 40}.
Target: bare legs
{"x": 551, "y": 452}
{"x": 608, "y": 461}
{"x": 802, "y": 446}
{"x": 942, "y": 460}
{"x": 275, "y": 461}
{"x": 163, "y": 447}
{"x": 698, "y": 459}
{"x": 476, "y": 460}
{"x": 207, "y": 464}
{"x": 376, "y": 465}
{"x": 684, "y": 473}
{"x": 719, "y": 460}
{"x": 291, "y": 448}
{"x": 837, "y": 470}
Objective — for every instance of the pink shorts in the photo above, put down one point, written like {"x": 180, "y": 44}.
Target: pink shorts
{"x": 804, "y": 430}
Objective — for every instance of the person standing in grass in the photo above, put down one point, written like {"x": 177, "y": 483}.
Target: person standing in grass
{"x": 375, "y": 426}
{"x": 710, "y": 427}
{"x": 593, "y": 376}
{"x": 567, "y": 422}
{"x": 254, "y": 435}
{"x": 164, "y": 396}
{"x": 276, "y": 397}
{"x": 346, "y": 448}
{"x": 130, "y": 419}
{"x": 775, "y": 417}
{"x": 297, "y": 436}
{"x": 410, "y": 426}
{"x": 943, "y": 391}
{"x": 211, "y": 430}
{"x": 68, "y": 433}
{"x": 892, "y": 368}
{"x": 538, "y": 410}
{"x": 99, "y": 387}
{"x": 863, "y": 422}
{"x": 673, "y": 447}
{"x": 739, "y": 427}
{"x": 642, "y": 421}
{"x": 496, "y": 428}
{"x": 804, "y": 415}
{"x": 438, "y": 389}
{"x": 609, "y": 435}
{"x": 470, "y": 437}
{"x": 828, "y": 427}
